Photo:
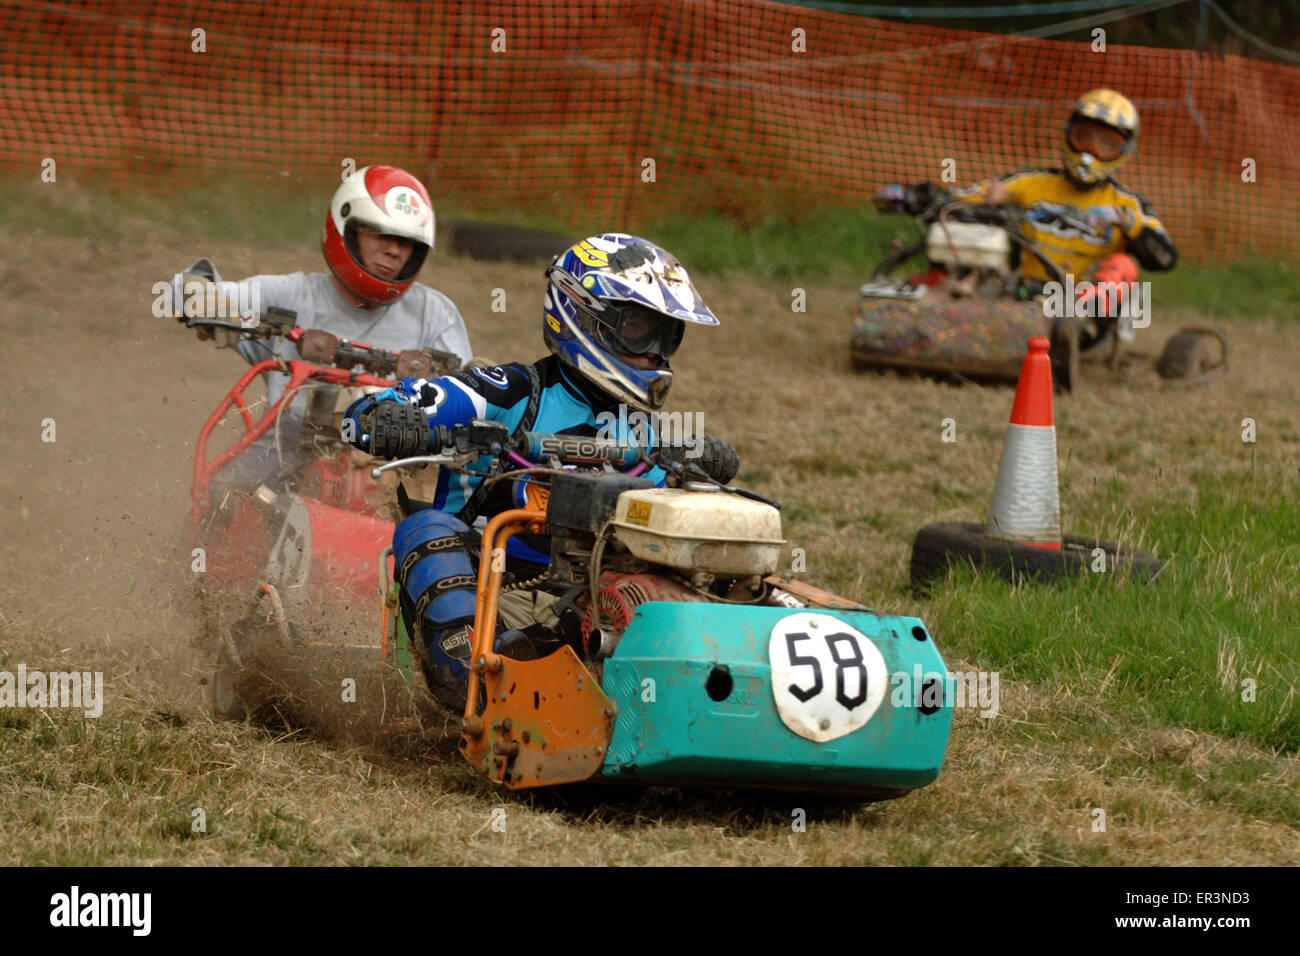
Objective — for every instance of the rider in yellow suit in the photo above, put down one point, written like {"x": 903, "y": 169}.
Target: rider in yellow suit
{"x": 1080, "y": 218}
{"x": 1079, "y": 215}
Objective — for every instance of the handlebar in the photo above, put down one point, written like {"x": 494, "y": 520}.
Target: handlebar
{"x": 541, "y": 446}
{"x": 1004, "y": 215}
{"x": 347, "y": 354}
{"x": 929, "y": 204}
{"x": 460, "y": 445}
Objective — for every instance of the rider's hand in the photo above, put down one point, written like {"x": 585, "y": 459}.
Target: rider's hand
{"x": 890, "y": 198}
{"x": 318, "y": 346}
{"x": 716, "y": 458}
{"x": 396, "y": 430}
{"x": 194, "y": 295}
{"x": 412, "y": 363}
{"x": 922, "y": 196}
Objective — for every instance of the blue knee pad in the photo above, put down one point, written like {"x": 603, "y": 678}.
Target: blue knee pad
{"x": 434, "y": 571}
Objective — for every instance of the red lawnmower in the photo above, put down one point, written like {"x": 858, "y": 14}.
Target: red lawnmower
{"x": 289, "y": 564}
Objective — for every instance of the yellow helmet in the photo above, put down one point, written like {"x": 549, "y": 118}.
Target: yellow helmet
{"x": 1100, "y": 136}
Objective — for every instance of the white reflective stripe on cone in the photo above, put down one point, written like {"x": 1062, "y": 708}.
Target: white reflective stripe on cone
{"x": 1026, "y": 500}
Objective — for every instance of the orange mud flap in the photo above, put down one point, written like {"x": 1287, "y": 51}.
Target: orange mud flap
{"x": 545, "y": 722}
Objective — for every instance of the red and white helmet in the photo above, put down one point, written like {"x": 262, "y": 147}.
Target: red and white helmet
{"x": 386, "y": 200}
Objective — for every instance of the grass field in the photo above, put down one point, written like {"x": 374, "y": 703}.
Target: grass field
{"x": 1115, "y": 696}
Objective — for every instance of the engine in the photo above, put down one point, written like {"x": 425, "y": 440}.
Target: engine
{"x": 699, "y": 530}
{"x": 618, "y": 598}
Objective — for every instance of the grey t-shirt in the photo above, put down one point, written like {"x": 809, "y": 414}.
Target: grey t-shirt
{"x": 421, "y": 318}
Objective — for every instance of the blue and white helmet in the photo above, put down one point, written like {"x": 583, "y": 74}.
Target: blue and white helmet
{"x": 613, "y": 298}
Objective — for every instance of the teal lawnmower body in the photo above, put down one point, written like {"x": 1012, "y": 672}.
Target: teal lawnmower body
{"x": 705, "y": 694}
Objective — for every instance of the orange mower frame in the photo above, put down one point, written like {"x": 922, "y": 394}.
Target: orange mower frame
{"x": 543, "y": 722}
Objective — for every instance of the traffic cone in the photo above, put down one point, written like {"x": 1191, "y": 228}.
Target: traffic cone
{"x": 1026, "y": 500}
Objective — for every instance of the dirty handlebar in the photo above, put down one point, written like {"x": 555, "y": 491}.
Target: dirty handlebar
{"x": 283, "y": 323}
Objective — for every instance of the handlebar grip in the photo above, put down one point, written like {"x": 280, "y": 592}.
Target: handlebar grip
{"x": 538, "y": 446}
{"x": 397, "y": 430}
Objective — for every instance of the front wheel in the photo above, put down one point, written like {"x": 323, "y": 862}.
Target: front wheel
{"x": 1190, "y": 355}
{"x": 1064, "y": 354}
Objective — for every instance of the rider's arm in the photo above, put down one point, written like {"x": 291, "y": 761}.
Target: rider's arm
{"x": 197, "y": 295}
{"x": 1147, "y": 240}
{"x": 263, "y": 291}
{"x": 975, "y": 192}
{"x": 497, "y": 394}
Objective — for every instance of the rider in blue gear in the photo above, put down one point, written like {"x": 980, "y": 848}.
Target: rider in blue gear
{"x": 616, "y": 309}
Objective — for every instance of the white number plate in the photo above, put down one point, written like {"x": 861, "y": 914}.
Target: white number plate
{"x": 828, "y": 678}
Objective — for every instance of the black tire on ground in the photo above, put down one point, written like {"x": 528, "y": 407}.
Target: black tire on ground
{"x": 1190, "y": 353}
{"x": 493, "y": 243}
{"x": 937, "y": 546}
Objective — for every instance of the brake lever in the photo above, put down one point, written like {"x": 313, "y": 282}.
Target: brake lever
{"x": 692, "y": 472}
{"x": 443, "y": 459}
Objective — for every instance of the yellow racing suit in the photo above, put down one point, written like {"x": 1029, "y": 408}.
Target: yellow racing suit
{"x": 1055, "y": 212}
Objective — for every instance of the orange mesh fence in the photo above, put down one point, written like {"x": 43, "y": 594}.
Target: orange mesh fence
{"x": 596, "y": 115}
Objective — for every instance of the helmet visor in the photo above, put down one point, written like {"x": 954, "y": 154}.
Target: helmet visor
{"x": 1089, "y": 136}
{"x": 636, "y": 330}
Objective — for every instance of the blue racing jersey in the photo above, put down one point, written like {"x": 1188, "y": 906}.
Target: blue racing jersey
{"x": 502, "y": 394}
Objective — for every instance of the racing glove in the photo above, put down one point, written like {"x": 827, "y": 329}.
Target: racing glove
{"x": 395, "y": 430}
{"x": 715, "y": 458}
{"x": 909, "y": 199}
{"x": 195, "y": 296}
{"x": 385, "y": 424}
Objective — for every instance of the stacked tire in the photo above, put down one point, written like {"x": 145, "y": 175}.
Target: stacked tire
{"x": 940, "y": 546}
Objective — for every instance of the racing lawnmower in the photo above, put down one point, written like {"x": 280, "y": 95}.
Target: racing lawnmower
{"x": 687, "y": 660}
{"x": 965, "y": 317}
{"x": 288, "y": 565}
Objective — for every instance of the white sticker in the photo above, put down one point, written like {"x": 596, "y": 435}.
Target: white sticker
{"x": 828, "y": 678}
{"x": 403, "y": 202}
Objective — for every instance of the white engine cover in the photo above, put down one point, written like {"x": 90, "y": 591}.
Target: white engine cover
{"x": 692, "y": 530}
{"x": 978, "y": 246}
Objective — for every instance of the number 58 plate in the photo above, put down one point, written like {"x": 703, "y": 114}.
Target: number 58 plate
{"x": 828, "y": 678}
